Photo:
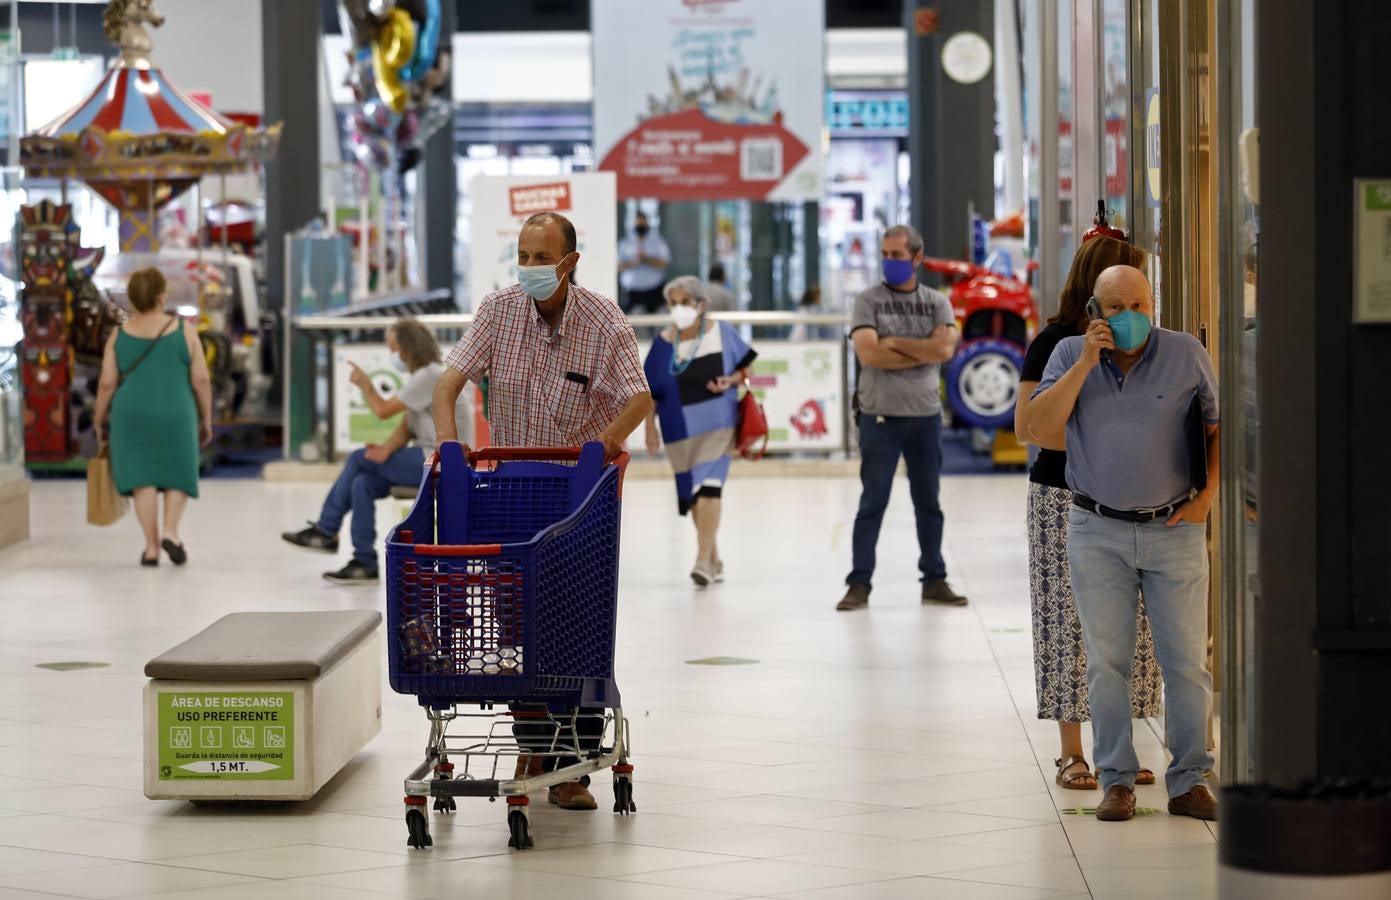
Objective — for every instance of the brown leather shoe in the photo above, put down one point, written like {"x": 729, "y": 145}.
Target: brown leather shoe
{"x": 1198, "y": 803}
{"x": 856, "y": 597}
{"x": 528, "y": 767}
{"x": 1118, "y": 805}
{"x": 939, "y": 593}
{"x": 572, "y": 795}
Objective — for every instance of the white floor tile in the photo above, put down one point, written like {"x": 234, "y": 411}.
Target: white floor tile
{"x": 754, "y": 877}
{"x": 1059, "y": 874}
{"x": 292, "y": 861}
{"x": 121, "y": 880}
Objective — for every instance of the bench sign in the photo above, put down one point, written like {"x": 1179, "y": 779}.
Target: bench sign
{"x": 227, "y": 736}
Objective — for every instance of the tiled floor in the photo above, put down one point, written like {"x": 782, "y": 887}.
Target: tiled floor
{"x": 880, "y": 755}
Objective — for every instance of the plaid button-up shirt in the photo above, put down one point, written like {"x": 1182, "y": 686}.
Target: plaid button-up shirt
{"x": 549, "y": 389}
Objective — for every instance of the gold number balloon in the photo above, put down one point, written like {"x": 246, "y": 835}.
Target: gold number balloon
{"x": 394, "y": 47}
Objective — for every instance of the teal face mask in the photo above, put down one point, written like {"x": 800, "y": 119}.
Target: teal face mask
{"x": 1130, "y": 329}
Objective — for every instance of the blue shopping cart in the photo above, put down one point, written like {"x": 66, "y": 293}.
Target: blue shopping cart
{"x": 502, "y": 589}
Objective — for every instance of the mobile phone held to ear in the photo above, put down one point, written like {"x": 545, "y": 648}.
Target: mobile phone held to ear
{"x": 1094, "y": 309}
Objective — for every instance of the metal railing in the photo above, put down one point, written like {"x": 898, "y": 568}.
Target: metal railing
{"x": 324, "y": 330}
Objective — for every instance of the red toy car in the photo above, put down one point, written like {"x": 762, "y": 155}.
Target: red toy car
{"x": 996, "y": 314}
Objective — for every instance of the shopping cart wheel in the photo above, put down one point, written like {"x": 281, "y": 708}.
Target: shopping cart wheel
{"x": 519, "y": 825}
{"x": 623, "y": 788}
{"x": 443, "y": 772}
{"x": 419, "y": 828}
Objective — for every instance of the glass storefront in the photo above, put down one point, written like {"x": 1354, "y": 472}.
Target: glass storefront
{"x": 866, "y": 191}
{"x": 1184, "y": 71}
{"x": 1240, "y": 240}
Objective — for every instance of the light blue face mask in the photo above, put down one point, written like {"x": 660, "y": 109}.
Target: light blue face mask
{"x": 1130, "y": 329}
{"x": 539, "y": 282}
{"x": 398, "y": 363}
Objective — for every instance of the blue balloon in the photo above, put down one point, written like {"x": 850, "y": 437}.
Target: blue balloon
{"x": 426, "y": 44}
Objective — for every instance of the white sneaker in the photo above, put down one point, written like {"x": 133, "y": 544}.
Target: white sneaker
{"x": 703, "y": 573}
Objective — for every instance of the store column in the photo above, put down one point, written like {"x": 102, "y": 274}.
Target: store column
{"x": 440, "y": 190}
{"x": 951, "y": 132}
{"x": 1324, "y": 341}
{"x": 290, "y": 33}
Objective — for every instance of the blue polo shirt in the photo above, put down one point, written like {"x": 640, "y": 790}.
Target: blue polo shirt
{"x": 1127, "y": 447}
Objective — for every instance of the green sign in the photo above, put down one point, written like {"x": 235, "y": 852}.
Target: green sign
{"x": 1377, "y": 196}
{"x": 227, "y": 736}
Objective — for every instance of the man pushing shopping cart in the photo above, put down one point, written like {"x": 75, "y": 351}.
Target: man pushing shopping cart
{"x": 502, "y": 582}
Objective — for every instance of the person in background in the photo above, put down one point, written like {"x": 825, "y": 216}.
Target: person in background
{"x": 1060, "y": 657}
{"x": 643, "y": 258}
{"x": 157, "y": 397}
{"x": 563, "y": 368}
{"x": 717, "y": 291}
{"x": 1125, "y": 394}
{"x": 371, "y": 472}
{"x": 695, "y": 368}
{"x": 902, "y": 331}
{"x": 811, "y": 303}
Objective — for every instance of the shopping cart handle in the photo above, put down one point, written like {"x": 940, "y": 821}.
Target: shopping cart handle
{"x": 541, "y": 454}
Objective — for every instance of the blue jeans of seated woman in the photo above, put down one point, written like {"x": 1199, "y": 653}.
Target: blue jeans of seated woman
{"x": 358, "y": 488}
{"x": 1112, "y": 562}
{"x": 883, "y": 439}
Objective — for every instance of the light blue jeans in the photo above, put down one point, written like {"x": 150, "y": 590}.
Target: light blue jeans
{"x": 1112, "y": 562}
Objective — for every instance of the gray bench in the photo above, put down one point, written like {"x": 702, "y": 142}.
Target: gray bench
{"x": 262, "y": 705}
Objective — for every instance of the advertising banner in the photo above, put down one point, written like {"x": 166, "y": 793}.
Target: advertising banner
{"x": 501, "y": 203}
{"x": 802, "y": 388}
{"x": 710, "y": 99}
{"x": 227, "y": 736}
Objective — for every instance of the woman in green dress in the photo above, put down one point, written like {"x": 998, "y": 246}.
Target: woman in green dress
{"x": 156, "y": 390}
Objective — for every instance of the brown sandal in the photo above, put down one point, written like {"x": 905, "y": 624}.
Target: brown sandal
{"x": 1082, "y": 781}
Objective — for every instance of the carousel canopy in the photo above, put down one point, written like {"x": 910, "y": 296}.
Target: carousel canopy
{"x": 139, "y": 125}
{"x": 137, "y": 102}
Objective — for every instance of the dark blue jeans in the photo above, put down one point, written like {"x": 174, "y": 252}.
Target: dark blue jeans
{"x": 358, "y": 488}
{"x": 883, "y": 439}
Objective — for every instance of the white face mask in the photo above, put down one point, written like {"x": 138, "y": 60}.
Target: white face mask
{"x": 684, "y": 317}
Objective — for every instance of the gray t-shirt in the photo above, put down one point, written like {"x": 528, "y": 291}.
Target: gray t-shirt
{"x": 912, "y": 314}
{"x": 418, "y": 394}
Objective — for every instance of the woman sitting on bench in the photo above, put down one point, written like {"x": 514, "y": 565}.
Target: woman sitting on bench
{"x": 371, "y": 472}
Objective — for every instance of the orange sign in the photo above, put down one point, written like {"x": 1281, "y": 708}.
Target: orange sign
{"x": 539, "y": 198}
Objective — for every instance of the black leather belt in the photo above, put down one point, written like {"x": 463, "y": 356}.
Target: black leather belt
{"x": 1124, "y": 515}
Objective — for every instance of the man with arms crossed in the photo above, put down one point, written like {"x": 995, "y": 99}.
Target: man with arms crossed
{"x": 902, "y": 331}
{"x": 563, "y": 370}
{"x": 1122, "y": 393}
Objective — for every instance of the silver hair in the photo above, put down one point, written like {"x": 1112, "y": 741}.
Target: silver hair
{"x": 690, "y": 284}
{"x": 908, "y": 232}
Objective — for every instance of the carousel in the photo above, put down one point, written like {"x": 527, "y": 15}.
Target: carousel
{"x": 139, "y": 142}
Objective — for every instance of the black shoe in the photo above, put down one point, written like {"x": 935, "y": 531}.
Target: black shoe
{"x": 146, "y": 561}
{"x": 177, "y": 555}
{"x": 312, "y": 538}
{"x": 355, "y": 572}
{"x": 939, "y": 593}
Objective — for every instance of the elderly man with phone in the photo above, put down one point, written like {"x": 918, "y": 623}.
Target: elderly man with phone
{"x": 1125, "y": 392}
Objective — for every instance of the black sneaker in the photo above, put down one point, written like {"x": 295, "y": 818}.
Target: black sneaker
{"x": 939, "y": 593}
{"x": 312, "y": 538}
{"x": 355, "y": 572}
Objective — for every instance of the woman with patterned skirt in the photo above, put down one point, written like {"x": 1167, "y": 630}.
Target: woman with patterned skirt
{"x": 1060, "y": 661}
{"x": 695, "y": 367}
